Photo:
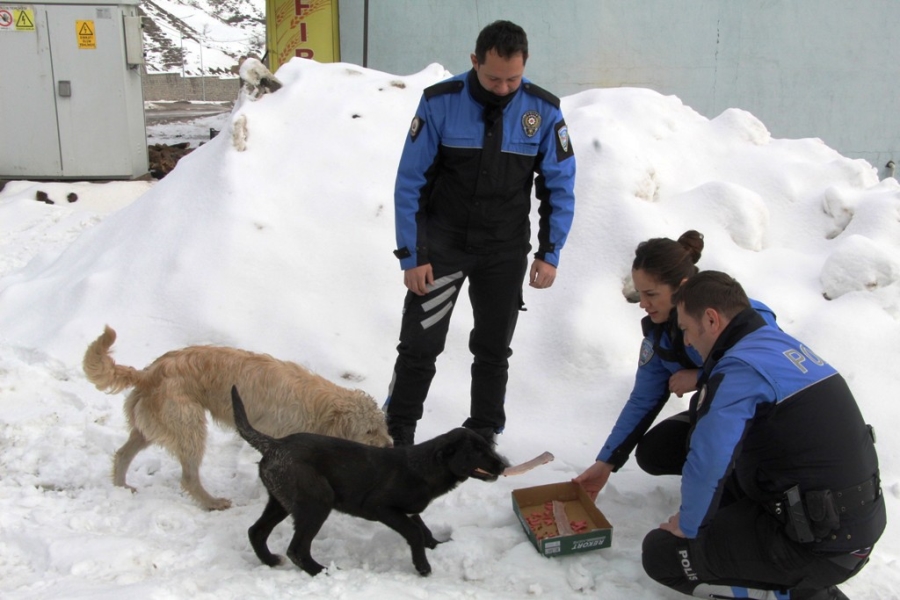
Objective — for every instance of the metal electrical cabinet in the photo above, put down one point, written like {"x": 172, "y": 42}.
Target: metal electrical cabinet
{"x": 71, "y": 101}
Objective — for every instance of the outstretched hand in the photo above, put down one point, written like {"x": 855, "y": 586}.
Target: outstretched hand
{"x": 594, "y": 478}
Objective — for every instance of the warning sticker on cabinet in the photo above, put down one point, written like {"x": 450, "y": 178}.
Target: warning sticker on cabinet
{"x": 16, "y": 18}
{"x": 87, "y": 38}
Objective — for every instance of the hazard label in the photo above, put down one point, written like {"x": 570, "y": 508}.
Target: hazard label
{"x": 84, "y": 31}
{"x": 16, "y": 18}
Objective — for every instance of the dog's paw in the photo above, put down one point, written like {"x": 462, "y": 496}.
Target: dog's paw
{"x": 312, "y": 567}
{"x": 432, "y": 542}
{"x": 273, "y": 560}
{"x": 218, "y": 504}
{"x": 441, "y": 536}
{"x": 422, "y": 566}
{"x": 120, "y": 482}
{"x": 424, "y": 571}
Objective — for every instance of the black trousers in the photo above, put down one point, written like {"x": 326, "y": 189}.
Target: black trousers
{"x": 663, "y": 449}
{"x": 495, "y": 293}
{"x": 744, "y": 548}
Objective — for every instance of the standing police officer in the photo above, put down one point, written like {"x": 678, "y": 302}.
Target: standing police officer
{"x": 478, "y": 144}
{"x": 780, "y": 495}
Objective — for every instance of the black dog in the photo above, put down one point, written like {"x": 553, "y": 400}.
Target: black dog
{"x": 308, "y": 475}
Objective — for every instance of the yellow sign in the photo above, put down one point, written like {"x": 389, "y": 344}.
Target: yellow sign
{"x": 303, "y": 28}
{"x": 16, "y": 18}
{"x": 84, "y": 31}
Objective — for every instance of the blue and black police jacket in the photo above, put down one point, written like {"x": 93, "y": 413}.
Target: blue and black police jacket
{"x": 662, "y": 354}
{"x": 470, "y": 185}
{"x": 772, "y": 414}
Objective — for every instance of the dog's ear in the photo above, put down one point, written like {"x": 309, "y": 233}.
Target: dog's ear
{"x": 444, "y": 453}
{"x": 344, "y": 420}
{"x": 460, "y": 454}
{"x": 338, "y": 423}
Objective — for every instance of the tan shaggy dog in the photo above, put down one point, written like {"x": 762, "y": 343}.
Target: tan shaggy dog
{"x": 171, "y": 396}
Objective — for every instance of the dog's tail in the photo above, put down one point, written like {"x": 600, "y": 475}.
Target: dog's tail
{"x": 255, "y": 438}
{"x": 102, "y": 370}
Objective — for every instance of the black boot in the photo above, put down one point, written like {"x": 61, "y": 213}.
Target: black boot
{"x": 829, "y": 593}
{"x": 487, "y": 433}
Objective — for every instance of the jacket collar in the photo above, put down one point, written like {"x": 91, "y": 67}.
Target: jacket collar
{"x": 485, "y": 98}
{"x": 744, "y": 323}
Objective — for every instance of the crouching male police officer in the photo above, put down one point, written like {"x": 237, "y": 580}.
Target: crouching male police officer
{"x": 780, "y": 496}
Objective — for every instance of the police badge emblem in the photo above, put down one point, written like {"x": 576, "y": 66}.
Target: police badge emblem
{"x": 646, "y": 352}
{"x": 563, "y": 134}
{"x": 531, "y": 122}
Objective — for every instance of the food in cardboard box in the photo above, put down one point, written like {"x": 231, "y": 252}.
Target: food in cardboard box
{"x": 546, "y": 511}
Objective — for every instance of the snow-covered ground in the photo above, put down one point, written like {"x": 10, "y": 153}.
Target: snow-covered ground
{"x": 285, "y": 248}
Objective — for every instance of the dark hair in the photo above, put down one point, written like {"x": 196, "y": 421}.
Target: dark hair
{"x": 503, "y": 37}
{"x": 711, "y": 289}
{"x": 668, "y": 261}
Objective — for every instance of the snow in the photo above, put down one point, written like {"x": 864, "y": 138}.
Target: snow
{"x": 285, "y": 248}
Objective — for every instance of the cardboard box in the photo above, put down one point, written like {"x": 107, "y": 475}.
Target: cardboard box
{"x": 531, "y": 503}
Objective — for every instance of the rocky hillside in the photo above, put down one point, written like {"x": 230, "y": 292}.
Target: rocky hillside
{"x": 196, "y": 37}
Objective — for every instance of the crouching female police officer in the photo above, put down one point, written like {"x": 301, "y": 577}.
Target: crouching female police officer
{"x": 666, "y": 367}
{"x": 780, "y": 495}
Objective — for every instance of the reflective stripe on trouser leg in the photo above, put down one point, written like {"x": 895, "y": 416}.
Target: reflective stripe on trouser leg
{"x": 707, "y": 590}
{"x": 423, "y": 332}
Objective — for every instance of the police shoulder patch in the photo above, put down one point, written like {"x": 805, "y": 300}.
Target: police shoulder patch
{"x": 646, "y": 352}
{"x": 416, "y": 127}
{"x": 563, "y": 142}
{"x": 449, "y": 86}
{"x": 538, "y": 91}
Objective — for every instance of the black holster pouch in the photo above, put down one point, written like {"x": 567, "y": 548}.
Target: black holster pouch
{"x": 796, "y": 525}
{"x": 811, "y": 516}
{"x": 822, "y": 513}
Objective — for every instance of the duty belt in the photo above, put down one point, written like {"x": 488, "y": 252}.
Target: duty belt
{"x": 855, "y": 497}
{"x": 814, "y": 514}
{"x": 846, "y": 501}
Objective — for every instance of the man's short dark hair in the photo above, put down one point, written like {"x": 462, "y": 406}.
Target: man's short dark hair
{"x": 503, "y": 37}
{"x": 711, "y": 289}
